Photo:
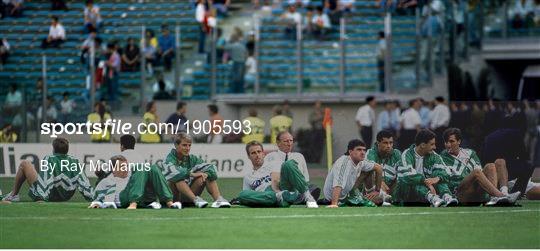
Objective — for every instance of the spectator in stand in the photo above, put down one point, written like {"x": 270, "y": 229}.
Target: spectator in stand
{"x": 111, "y": 77}
{"x": 346, "y": 6}
{"x": 331, "y": 8}
{"x": 13, "y": 101}
{"x": 51, "y": 113}
{"x": 522, "y": 14}
{"x": 220, "y": 47}
{"x": 257, "y": 127}
{"x": 165, "y": 50}
{"x": 149, "y": 52}
{"x": 222, "y": 7}
{"x": 381, "y": 56}
{"x": 8, "y": 134}
{"x": 238, "y": 53}
{"x": 251, "y": 70}
{"x": 59, "y": 5}
{"x": 151, "y": 38}
{"x": 57, "y": 35}
{"x": 4, "y": 52}
{"x": 179, "y": 117}
{"x": 299, "y": 3}
{"x": 13, "y": 8}
{"x": 162, "y": 93}
{"x": 66, "y": 108}
{"x": 410, "y": 124}
{"x": 130, "y": 56}
{"x": 86, "y": 45}
{"x": 92, "y": 17}
{"x": 440, "y": 119}
{"x": 279, "y": 123}
{"x": 250, "y": 44}
{"x": 321, "y": 24}
{"x": 200, "y": 13}
{"x": 291, "y": 19}
{"x": 215, "y": 136}
{"x": 307, "y": 24}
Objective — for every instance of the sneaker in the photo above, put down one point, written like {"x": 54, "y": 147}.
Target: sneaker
{"x": 310, "y": 201}
{"x": 11, "y": 197}
{"x": 176, "y": 205}
{"x": 221, "y": 202}
{"x": 199, "y": 202}
{"x": 386, "y": 204}
{"x": 234, "y": 201}
{"x": 154, "y": 205}
{"x": 109, "y": 205}
{"x": 385, "y": 198}
{"x": 496, "y": 200}
{"x": 450, "y": 201}
{"x": 513, "y": 197}
{"x": 436, "y": 201}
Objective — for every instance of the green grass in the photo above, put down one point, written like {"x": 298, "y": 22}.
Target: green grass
{"x": 71, "y": 225}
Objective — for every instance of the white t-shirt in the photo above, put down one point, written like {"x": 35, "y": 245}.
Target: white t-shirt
{"x": 295, "y": 17}
{"x": 57, "y": 32}
{"x": 321, "y": 18}
{"x": 67, "y": 106}
{"x": 200, "y": 12}
{"x": 260, "y": 179}
{"x": 365, "y": 115}
{"x": 92, "y": 14}
{"x": 410, "y": 119}
{"x": 344, "y": 174}
{"x": 275, "y": 159}
{"x": 440, "y": 116}
{"x": 251, "y": 65}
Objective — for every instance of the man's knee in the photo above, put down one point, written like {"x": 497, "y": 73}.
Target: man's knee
{"x": 26, "y": 164}
{"x": 490, "y": 168}
{"x": 477, "y": 173}
{"x": 500, "y": 162}
{"x": 198, "y": 182}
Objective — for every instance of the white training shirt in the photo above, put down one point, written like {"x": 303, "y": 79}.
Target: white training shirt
{"x": 344, "y": 174}
{"x": 278, "y": 157}
{"x": 411, "y": 119}
{"x": 260, "y": 179}
{"x": 365, "y": 115}
{"x": 440, "y": 116}
{"x": 57, "y": 32}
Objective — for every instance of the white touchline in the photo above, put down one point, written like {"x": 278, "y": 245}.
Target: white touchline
{"x": 180, "y": 218}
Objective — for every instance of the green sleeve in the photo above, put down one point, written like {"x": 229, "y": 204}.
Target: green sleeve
{"x": 406, "y": 173}
{"x": 440, "y": 169}
{"x": 195, "y": 160}
{"x": 84, "y": 187}
{"x": 476, "y": 161}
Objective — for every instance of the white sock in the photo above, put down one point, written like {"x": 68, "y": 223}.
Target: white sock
{"x": 430, "y": 197}
{"x": 308, "y": 197}
{"x": 504, "y": 189}
{"x": 447, "y": 197}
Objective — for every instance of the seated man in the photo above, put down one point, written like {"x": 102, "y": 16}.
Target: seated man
{"x": 384, "y": 154}
{"x": 188, "y": 175}
{"x": 127, "y": 188}
{"x": 469, "y": 182}
{"x": 57, "y": 178}
{"x": 285, "y": 144}
{"x": 344, "y": 178}
{"x": 271, "y": 185}
{"x": 422, "y": 175}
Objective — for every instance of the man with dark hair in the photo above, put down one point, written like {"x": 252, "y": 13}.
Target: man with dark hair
{"x": 410, "y": 124}
{"x": 505, "y": 147}
{"x": 468, "y": 181}
{"x": 422, "y": 175}
{"x": 57, "y": 178}
{"x": 179, "y": 117}
{"x": 341, "y": 184}
{"x": 384, "y": 154}
{"x": 257, "y": 127}
{"x": 365, "y": 118}
{"x": 57, "y": 34}
{"x": 130, "y": 187}
{"x": 165, "y": 49}
{"x": 258, "y": 185}
{"x": 440, "y": 118}
{"x": 127, "y": 149}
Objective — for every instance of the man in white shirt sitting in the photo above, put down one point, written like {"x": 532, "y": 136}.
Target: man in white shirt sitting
{"x": 57, "y": 35}
{"x": 291, "y": 19}
{"x": 321, "y": 24}
{"x": 285, "y": 143}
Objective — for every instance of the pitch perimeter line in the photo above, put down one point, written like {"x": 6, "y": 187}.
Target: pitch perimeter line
{"x": 295, "y": 216}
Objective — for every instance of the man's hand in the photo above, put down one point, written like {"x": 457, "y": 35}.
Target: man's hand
{"x": 385, "y": 187}
{"x": 432, "y": 181}
{"x": 203, "y": 176}
{"x": 431, "y": 189}
{"x": 373, "y": 195}
{"x": 132, "y": 205}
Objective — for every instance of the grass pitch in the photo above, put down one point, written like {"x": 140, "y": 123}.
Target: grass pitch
{"x": 72, "y": 225}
